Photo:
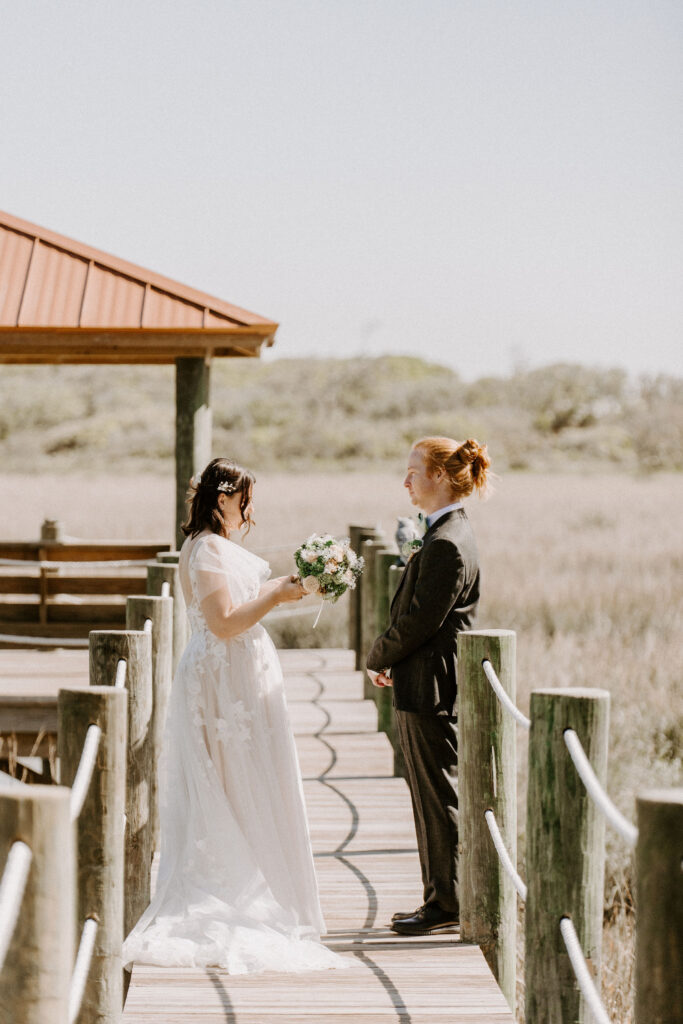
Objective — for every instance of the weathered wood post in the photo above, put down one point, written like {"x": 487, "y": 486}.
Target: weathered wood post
{"x": 487, "y": 780}
{"x": 385, "y": 561}
{"x": 107, "y": 648}
{"x": 357, "y": 535}
{"x": 659, "y": 899}
{"x": 160, "y": 611}
{"x": 100, "y": 836}
{"x": 565, "y": 851}
{"x": 368, "y": 600}
{"x": 393, "y": 580}
{"x": 36, "y": 977}
{"x": 159, "y": 573}
{"x": 192, "y": 426}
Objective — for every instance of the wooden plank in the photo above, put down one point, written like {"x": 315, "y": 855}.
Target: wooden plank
{"x": 363, "y": 755}
{"x": 80, "y": 551}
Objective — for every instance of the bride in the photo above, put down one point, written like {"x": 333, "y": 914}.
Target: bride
{"x": 236, "y": 887}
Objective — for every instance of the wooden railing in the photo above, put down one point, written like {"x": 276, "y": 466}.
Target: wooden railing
{"x": 565, "y": 826}
{"x": 51, "y": 885}
{"x": 63, "y": 589}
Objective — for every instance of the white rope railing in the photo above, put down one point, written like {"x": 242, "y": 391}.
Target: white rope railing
{"x": 590, "y": 780}
{"x": 504, "y": 855}
{"x": 165, "y": 589}
{"x": 581, "y": 972}
{"x": 121, "y": 670}
{"x": 12, "y": 887}
{"x": 82, "y": 967}
{"x": 86, "y": 765}
{"x": 43, "y": 641}
{"x": 502, "y": 696}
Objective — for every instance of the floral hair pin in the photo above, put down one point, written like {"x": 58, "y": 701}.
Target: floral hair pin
{"x": 227, "y": 488}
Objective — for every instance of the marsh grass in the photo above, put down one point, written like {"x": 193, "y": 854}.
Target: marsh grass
{"x": 586, "y": 568}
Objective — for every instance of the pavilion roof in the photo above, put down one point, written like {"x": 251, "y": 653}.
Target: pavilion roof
{"x": 65, "y": 302}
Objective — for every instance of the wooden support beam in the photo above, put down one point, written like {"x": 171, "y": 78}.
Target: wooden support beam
{"x": 135, "y": 648}
{"x": 565, "y": 851}
{"x": 659, "y": 892}
{"x": 100, "y": 837}
{"x": 193, "y": 428}
{"x": 35, "y": 979}
{"x": 487, "y": 780}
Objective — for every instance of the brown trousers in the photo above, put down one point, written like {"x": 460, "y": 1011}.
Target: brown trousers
{"x": 430, "y": 749}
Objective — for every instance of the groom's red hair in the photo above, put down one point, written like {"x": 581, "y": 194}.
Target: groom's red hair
{"x": 465, "y": 463}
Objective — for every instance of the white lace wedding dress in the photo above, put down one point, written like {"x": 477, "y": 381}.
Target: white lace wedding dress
{"x": 236, "y": 887}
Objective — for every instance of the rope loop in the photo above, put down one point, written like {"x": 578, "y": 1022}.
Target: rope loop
{"x": 86, "y": 766}
{"x": 502, "y": 696}
{"x": 82, "y": 967}
{"x": 581, "y": 972}
{"x": 505, "y": 858}
{"x": 590, "y": 780}
{"x": 12, "y": 888}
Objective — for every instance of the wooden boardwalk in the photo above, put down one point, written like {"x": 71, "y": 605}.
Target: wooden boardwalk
{"x": 366, "y": 860}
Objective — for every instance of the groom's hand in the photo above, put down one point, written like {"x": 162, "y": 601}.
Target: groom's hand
{"x": 378, "y": 678}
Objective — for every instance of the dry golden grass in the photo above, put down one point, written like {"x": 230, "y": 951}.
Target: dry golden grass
{"x": 587, "y": 569}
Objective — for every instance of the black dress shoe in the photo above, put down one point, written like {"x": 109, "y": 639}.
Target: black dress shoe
{"x": 428, "y": 919}
{"x": 402, "y": 915}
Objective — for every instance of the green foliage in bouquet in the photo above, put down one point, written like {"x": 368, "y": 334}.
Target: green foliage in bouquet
{"x": 328, "y": 566}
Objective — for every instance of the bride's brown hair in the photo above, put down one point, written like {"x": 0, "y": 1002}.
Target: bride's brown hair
{"x": 221, "y": 476}
{"x": 465, "y": 463}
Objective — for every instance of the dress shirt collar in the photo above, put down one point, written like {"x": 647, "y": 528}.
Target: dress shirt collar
{"x": 434, "y": 516}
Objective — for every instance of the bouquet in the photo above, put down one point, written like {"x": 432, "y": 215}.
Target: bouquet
{"x": 328, "y": 566}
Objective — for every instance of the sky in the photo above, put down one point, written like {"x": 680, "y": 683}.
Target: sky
{"x": 488, "y": 184}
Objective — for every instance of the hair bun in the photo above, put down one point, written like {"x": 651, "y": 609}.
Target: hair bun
{"x": 469, "y": 450}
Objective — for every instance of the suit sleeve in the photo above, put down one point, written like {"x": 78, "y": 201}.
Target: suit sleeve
{"x": 439, "y": 583}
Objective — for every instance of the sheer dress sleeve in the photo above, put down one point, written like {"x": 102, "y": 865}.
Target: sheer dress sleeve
{"x": 209, "y": 571}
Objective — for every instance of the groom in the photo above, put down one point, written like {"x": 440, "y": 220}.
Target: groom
{"x": 436, "y": 597}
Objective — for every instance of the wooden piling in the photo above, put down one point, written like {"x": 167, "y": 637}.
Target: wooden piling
{"x": 368, "y": 613}
{"x": 487, "y": 780}
{"x": 160, "y": 611}
{"x": 193, "y": 428}
{"x": 100, "y": 837}
{"x": 659, "y": 907}
{"x": 135, "y": 647}
{"x": 357, "y": 535}
{"x": 565, "y": 851}
{"x": 159, "y": 573}
{"x": 385, "y": 561}
{"x": 36, "y": 977}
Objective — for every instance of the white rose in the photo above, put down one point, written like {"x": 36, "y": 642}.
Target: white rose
{"x": 310, "y": 584}
{"x": 347, "y": 578}
{"x": 336, "y": 552}
{"x": 331, "y": 566}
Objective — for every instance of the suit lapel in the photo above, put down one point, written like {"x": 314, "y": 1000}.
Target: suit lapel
{"x": 430, "y": 531}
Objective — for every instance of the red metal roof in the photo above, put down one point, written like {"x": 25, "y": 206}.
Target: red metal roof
{"x": 62, "y": 301}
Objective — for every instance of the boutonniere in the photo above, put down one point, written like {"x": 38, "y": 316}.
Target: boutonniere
{"x": 411, "y": 548}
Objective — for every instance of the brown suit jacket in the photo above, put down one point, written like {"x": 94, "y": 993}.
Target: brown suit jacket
{"x": 437, "y": 597}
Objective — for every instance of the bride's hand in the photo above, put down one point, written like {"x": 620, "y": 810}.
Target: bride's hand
{"x": 289, "y": 589}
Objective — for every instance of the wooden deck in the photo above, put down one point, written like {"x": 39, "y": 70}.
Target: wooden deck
{"x": 366, "y": 860}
